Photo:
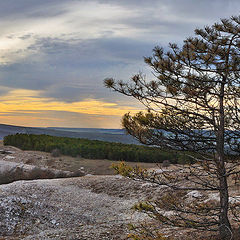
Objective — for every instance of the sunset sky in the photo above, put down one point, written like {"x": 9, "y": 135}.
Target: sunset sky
{"x": 55, "y": 54}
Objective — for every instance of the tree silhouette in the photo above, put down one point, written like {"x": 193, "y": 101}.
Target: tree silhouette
{"x": 193, "y": 105}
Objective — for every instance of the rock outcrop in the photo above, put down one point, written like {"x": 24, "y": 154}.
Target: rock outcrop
{"x": 73, "y": 208}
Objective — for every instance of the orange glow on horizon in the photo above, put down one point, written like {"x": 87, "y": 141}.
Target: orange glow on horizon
{"x": 29, "y": 103}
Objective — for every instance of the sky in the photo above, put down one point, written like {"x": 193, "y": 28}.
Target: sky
{"x": 55, "y": 54}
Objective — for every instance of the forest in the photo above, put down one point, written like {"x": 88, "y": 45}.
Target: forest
{"x": 94, "y": 149}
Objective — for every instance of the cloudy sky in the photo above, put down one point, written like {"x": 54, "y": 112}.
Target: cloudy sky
{"x": 54, "y": 54}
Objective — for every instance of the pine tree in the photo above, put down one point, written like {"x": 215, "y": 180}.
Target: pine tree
{"x": 193, "y": 105}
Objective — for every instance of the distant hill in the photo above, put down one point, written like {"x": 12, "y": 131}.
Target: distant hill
{"x": 111, "y": 135}
{"x": 90, "y": 130}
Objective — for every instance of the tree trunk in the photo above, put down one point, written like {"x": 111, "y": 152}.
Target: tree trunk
{"x": 225, "y": 229}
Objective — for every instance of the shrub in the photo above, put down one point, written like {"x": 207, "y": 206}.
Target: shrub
{"x": 55, "y": 153}
{"x": 166, "y": 163}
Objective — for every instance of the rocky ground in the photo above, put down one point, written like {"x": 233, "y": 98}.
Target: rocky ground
{"x": 91, "y": 207}
{"x": 88, "y": 207}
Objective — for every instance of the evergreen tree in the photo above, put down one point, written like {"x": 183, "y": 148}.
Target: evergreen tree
{"x": 193, "y": 104}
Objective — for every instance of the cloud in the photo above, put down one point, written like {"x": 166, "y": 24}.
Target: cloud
{"x": 26, "y": 23}
{"x": 72, "y": 72}
{"x": 25, "y": 101}
{"x": 29, "y": 108}
{"x": 60, "y": 119}
{"x": 63, "y": 49}
{"x": 67, "y": 20}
